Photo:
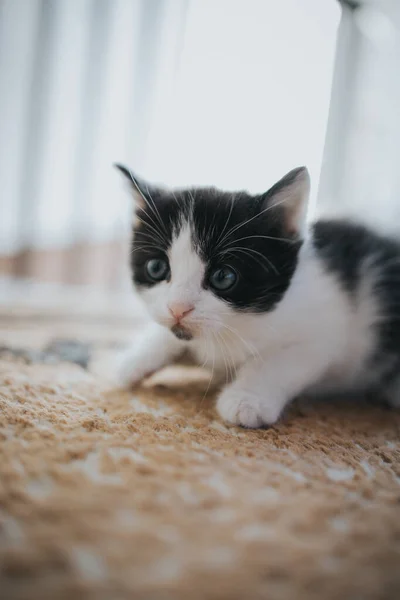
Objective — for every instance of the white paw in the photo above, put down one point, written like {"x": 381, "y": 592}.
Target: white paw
{"x": 247, "y": 409}
{"x": 132, "y": 366}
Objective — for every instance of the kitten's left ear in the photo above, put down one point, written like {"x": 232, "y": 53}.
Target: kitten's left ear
{"x": 140, "y": 189}
{"x": 291, "y": 194}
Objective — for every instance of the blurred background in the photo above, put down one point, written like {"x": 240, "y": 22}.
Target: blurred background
{"x": 226, "y": 92}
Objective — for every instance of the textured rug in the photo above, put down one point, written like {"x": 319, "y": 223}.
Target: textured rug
{"x": 112, "y": 494}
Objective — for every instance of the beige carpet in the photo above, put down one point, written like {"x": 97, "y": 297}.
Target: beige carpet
{"x": 109, "y": 494}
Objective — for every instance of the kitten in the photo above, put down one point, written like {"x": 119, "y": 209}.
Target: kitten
{"x": 273, "y": 308}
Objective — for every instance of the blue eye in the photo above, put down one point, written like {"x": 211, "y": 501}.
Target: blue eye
{"x": 223, "y": 278}
{"x": 157, "y": 269}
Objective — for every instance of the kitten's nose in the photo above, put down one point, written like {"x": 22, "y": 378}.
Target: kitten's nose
{"x": 179, "y": 310}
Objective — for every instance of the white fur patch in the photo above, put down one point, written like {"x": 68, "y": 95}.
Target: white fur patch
{"x": 187, "y": 269}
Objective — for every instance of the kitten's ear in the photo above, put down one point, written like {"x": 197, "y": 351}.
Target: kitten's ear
{"x": 140, "y": 189}
{"x": 291, "y": 194}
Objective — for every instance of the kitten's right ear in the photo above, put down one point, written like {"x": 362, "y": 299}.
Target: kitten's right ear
{"x": 137, "y": 186}
{"x": 291, "y": 194}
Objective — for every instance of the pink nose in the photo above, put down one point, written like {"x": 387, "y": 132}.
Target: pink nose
{"x": 179, "y": 310}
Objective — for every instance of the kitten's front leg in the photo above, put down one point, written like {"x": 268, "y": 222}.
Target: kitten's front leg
{"x": 154, "y": 348}
{"x": 262, "y": 390}
{"x": 251, "y": 404}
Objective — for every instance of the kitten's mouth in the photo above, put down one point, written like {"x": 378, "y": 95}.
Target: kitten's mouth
{"x": 181, "y": 333}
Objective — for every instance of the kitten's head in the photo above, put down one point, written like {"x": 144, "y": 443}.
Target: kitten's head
{"x": 200, "y": 257}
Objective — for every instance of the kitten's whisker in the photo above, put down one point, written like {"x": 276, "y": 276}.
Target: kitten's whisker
{"x": 156, "y": 211}
{"x": 206, "y": 352}
{"x": 252, "y": 349}
{"x": 227, "y": 221}
{"x": 175, "y": 198}
{"x": 236, "y": 227}
{"x": 144, "y": 244}
{"x": 218, "y": 323}
{"x": 233, "y": 371}
{"x": 140, "y": 234}
{"x": 211, "y": 377}
{"x": 212, "y": 228}
{"x": 190, "y": 193}
{"x": 155, "y": 227}
{"x": 148, "y": 247}
{"x": 265, "y": 237}
{"x": 158, "y": 235}
{"x": 223, "y": 356}
{"x": 143, "y": 248}
{"x": 151, "y": 206}
{"x": 247, "y": 250}
{"x": 247, "y": 349}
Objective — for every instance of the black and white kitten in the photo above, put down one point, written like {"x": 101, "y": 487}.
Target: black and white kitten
{"x": 272, "y": 308}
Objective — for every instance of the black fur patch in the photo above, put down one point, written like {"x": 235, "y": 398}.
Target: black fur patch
{"x": 152, "y": 237}
{"x": 344, "y": 246}
{"x": 235, "y": 230}
{"x": 354, "y": 252}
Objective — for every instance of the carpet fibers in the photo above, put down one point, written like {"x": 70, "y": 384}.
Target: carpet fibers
{"x": 113, "y": 494}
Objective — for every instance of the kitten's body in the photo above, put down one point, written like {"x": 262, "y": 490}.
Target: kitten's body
{"x": 319, "y": 311}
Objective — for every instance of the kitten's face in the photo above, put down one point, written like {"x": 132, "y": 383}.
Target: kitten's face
{"x": 202, "y": 257}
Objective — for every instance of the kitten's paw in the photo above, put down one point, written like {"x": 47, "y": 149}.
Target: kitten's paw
{"x": 131, "y": 367}
{"x": 247, "y": 409}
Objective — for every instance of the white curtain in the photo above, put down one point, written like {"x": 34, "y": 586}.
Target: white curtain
{"x": 228, "y": 92}
{"x": 78, "y": 80}
{"x": 252, "y": 94}
{"x": 360, "y": 176}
